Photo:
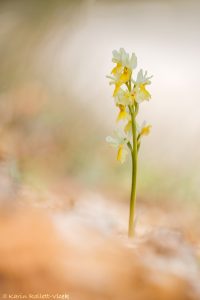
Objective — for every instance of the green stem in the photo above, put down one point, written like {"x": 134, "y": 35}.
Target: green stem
{"x": 134, "y": 154}
{"x": 134, "y": 177}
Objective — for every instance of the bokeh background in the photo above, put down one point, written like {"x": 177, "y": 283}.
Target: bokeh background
{"x": 55, "y": 101}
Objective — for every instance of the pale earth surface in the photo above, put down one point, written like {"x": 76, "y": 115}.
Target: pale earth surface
{"x": 74, "y": 241}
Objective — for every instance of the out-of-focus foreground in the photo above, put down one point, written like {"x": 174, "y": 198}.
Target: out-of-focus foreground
{"x": 64, "y": 198}
{"x": 81, "y": 249}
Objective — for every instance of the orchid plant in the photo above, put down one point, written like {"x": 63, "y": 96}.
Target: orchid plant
{"x": 128, "y": 94}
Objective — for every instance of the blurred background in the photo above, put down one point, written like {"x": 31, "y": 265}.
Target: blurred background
{"x": 56, "y": 105}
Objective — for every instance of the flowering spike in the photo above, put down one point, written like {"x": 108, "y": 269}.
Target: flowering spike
{"x": 128, "y": 94}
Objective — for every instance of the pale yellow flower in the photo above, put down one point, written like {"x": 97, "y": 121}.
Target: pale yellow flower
{"x": 123, "y": 114}
{"x": 116, "y": 81}
{"x": 119, "y": 141}
{"x": 124, "y": 97}
{"x": 141, "y": 93}
{"x": 123, "y": 69}
{"x": 117, "y": 69}
{"x": 145, "y": 129}
{"x": 117, "y": 87}
{"x": 128, "y": 127}
{"x": 121, "y": 154}
{"x": 125, "y": 76}
{"x": 122, "y": 57}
